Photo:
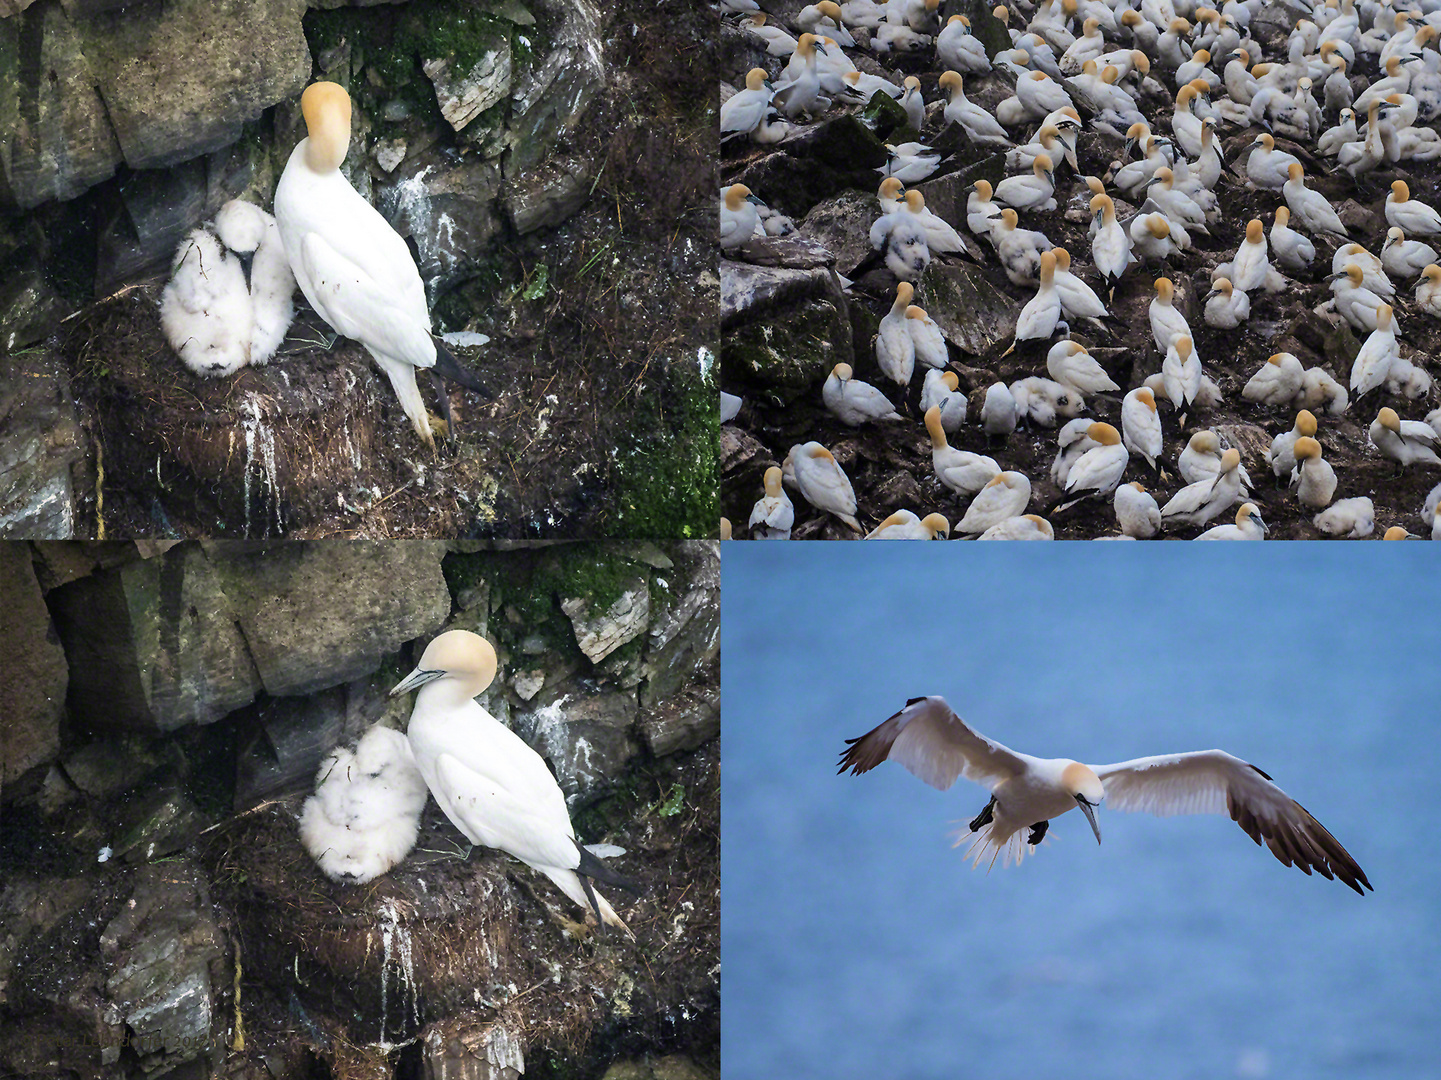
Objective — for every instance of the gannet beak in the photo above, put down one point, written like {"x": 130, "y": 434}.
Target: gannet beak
{"x": 1090, "y": 812}
{"x": 418, "y": 677}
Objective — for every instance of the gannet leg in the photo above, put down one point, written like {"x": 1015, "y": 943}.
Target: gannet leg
{"x": 1038, "y": 832}
{"x": 985, "y": 817}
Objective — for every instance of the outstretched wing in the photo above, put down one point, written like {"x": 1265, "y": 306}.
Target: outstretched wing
{"x": 935, "y": 744}
{"x": 1213, "y": 781}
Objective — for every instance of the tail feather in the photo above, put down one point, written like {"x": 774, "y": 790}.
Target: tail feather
{"x": 446, "y": 364}
{"x": 1011, "y": 848}
{"x": 578, "y": 888}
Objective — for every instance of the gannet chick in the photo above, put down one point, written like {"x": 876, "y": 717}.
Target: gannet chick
{"x": 941, "y": 390}
{"x": 823, "y": 483}
{"x": 1167, "y": 322}
{"x": 1277, "y": 382}
{"x": 1182, "y": 373}
{"x": 1248, "y": 526}
{"x": 1412, "y": 217}
{"x": 958, "y": 470}
{"x": 205, "y": 308}
{"x": 1311, "y": 209}
{"x": 492, "y": 786}
{"x": 245, "y": 228}
{"x": 904, "y": 525}
{"x": 907, "y": 249}
{"x": 1281, "y": 454}
{"x": 927, "y": 337}
{"x": 365, "y": 814}
{"x": 1022, "y": 527}
{"x": 1292, "y": 250}
{"x": 1377, "y": 355}
{"x": 854, "y": 402}
{"x": 773, "y": 514}
{"x": 1313, "y": 478}
{"x": 1042, "y": 315}
{"x": 1403, "y": 258}
{"x": 1198, "y": 503}
{"x": 1320, "y": 391}
{"x": 1005, "y": 496}
{"x": 1404, "y": 441}
{"x": 1268, "y": 167}
{"x": 1407, "y": 380}
{"x": 999, "y": 414}
{"x": 738, "y": 217}
{"x": 1349, "y": 519}
{"x": 355, "y": 269}
{"x": 1226, "y": 308}
{"x": 1041, "y": 401}
{"x": 1141, "y": 425}
{"x": 744, "y": 110}
{"x": 895, "y": 347}
{"x": 1136, "y": 511}
{"x": 1018, "y": 249}
{"x": 1070, "y": 364}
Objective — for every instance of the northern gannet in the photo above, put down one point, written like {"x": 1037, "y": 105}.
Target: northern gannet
{"x": 205, "y": 308}
{"x": 1313, "y": 477}
{"x": 773, "y": 514}
{"x": 1136, "y": 511}
{"x": 1020, "y": 527}
{"x": 904, "y": 525}
{"x": 1005, "y": 496}
{"x": 351, "y": 265}
{"x": 1349, "y": 519}
{"x": 854, "y": 402}
{"x": 1248, "y": 526}
{"x": 1141, "y": 425}
{"x": 244, "y": 227}
{"x": 930, "y": 741}
{"x": 492, "y": 786}
{"x": 365, "y": 813}
{"x": 942, "y": 389}
{"x": 823, "y": 483}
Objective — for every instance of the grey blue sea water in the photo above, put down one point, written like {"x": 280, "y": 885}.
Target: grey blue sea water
{"x": 857, "y": 943}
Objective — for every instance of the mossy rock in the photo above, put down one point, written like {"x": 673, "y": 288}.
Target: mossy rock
{"x": 790, "y": 352}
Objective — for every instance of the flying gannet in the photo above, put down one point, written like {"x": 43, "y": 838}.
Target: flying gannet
{"x": 933, "y": 743}
{"x": 487, "y": 779}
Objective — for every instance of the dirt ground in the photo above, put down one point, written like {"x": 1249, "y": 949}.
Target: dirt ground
{"x": 890, "y": 465}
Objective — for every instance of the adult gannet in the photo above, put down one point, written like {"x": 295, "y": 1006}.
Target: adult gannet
{"x": 930, "y": 741}
{"x": 1428, "y": 290}
{"x": 1277, "y": 382}
{"x": 1405, "y": 213}
{"x": 773, "y": 514}
{"x": 1197, "y": 503}
{"x": 1136, "y": 511}
{"x": 1248, "y": 526}
{"x": 1004, "y": 496}
{"x": 929, "y": 340}
{"x": 1020, "y": 527}
{"x": 895, "y": 347}
{"x": 1404, "y": 441}
{"x": 904, "y": 525}
{"x": 941, "y": 389}
{"x": 1281, "y": 453}
{"x": 738, "y": 217}
{"x": 958, "y": 470}
{"x": 492, "y": 786}
{"x": 854, "y": 402}
{"x": 743, "y": 111}
{"x": 979, "y": 125}
{"x": 365, "y": 813}
{"x": 1292, "y": 250}
{"x": 1141, "y": 425}
{"x": 1070, "y": 364}
{"x": 1313, "y": 477}
{"x": 823, "y": 483}
{"x": 351, "y": 265}
{"x": 959, "y": 50}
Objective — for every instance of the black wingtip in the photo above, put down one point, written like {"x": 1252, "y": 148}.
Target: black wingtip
{"x": 447, "y": 365}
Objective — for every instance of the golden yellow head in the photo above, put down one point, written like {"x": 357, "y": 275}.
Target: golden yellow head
{"x": 326, "y": 108}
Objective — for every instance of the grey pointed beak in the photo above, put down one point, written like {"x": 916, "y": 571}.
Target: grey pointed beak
{"x": 1090, "y": 812}
{"x": 417, "y": 678}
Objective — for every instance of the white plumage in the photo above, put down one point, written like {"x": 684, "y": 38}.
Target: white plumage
{"x": 351, "y": 265}
{"x": 205, "y": 309}
{"x": 492, "y": 786}
{"x": 244, "y": 227}
{"x": 365, "y": 813}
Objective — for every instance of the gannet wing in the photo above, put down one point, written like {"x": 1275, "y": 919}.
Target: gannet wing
{"x": 1213, "y": 781}
{"x": 935, "y": 744}
{"x": 362, "y": 307}
{"x": 535, "y": 830}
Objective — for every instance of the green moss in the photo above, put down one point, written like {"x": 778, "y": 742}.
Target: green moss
{"x": 669, "y": 476}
